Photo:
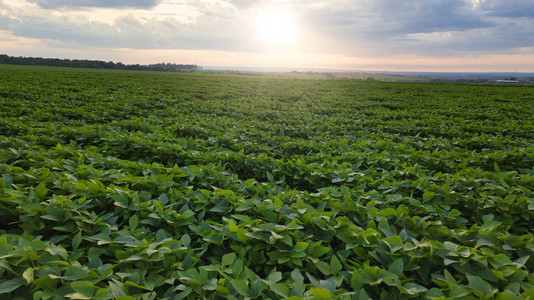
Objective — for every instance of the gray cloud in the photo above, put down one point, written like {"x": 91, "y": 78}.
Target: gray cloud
{"x": 430, "y": 27}
{"x": 508, "y": 8}
{"x": 386, "y": 18}
{"x": 52, "y": 4}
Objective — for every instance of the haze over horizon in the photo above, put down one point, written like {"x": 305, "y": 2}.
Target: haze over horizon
{"x": 410, "y": 35}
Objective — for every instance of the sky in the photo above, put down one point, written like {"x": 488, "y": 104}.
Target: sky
{"x": 392, "y": 35}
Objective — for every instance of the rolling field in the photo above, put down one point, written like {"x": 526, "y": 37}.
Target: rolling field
{"x": 137, "y": 185}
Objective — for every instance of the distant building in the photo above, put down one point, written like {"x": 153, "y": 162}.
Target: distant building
{"x": 507, "y": 81}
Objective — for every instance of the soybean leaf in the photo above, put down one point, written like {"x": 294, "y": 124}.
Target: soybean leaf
{"x": 84, "y": 288}
{"x": 335, "y": 265}
{"x": 280, "y": 289}
{"x": 74, "y": 273}
{"x": 76, "y": 240}
{"x": 11, "y": 285}
{"x": 228, "y": 259}
{"x": 322, "y": 294}
{"x": 480, "y": 286}
{"x": 133, "y": 222}
{"x": 397, "y": 267}
{"x": 240, "y": 286}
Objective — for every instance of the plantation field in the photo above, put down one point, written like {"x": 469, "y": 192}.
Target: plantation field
{"x": 138, "y": 185}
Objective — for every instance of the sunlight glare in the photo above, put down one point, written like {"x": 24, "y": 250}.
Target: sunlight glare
{"x": 276, "y": 27}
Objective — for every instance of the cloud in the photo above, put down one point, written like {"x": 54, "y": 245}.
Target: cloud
{"x": 53, "y": 4}
{"x": 430, "y": 27}
{"x": 354, "y": 28}
{"x": 382, "y": 27}
{"x": 386, "y": 18}
{"x": 128, "y": 31}
{"x": 242, "y": 4}
{"x": 508, "y": 8}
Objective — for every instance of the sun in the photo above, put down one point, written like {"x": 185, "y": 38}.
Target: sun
{"x": 276, "y": 27}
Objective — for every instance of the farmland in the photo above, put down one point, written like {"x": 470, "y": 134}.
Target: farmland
{"x": 166, "y": 186}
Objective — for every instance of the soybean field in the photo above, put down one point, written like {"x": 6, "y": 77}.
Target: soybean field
{"x": 144, "y": 185}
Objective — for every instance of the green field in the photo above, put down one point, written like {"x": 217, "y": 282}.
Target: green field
{"x": 138, "y": 185}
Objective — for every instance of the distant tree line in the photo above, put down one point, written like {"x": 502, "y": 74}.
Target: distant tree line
{"x": 94, "y": 64}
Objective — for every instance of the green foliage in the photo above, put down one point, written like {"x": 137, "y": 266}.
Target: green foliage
{"x": 165, "y": 186}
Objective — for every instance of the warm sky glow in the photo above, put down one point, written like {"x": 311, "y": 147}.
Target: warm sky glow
{"x": 408, "y": 35}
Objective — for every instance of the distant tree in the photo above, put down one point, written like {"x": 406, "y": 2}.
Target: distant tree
{"x": 95, "y": 64}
